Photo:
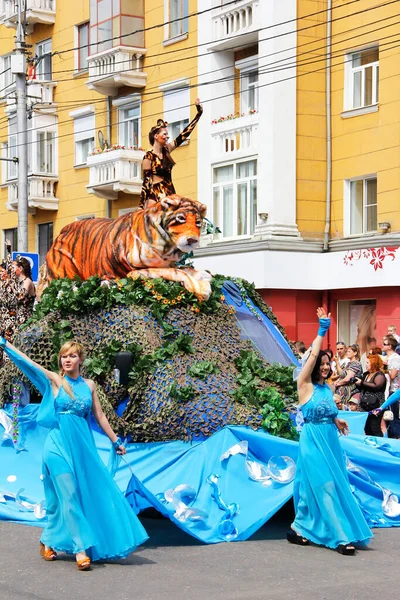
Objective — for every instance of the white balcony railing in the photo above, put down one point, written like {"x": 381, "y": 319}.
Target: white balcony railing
{"x": 41, "y": 193}
{"x": 115, "y": 171}
{"x": 39, "y": 93}
{"x": 37, "y": 11}
{"x": 114, "y": 68}
{"x": 235, "y": 25}
{"x": 234, "y": 138}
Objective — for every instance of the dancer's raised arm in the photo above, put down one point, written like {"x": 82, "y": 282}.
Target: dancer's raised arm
{"x": 38, "y": 375}
{"x": 305, "y": 374}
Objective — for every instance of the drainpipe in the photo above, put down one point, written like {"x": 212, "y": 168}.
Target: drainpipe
{"x": 328, "y": 127}
{"x": 109, "y": 132}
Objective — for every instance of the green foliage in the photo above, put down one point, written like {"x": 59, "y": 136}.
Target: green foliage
{"x": 181, "y": 393}
{"x": 203, "y": 369}
{"x": 73, "y": 296}
{"x": 273, "y": 401}
{"x": 100, "y": 364}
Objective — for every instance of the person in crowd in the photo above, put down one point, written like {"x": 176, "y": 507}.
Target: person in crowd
{"x": 157, "y": 162}
{"x": 389, "y": 345}
{"x": 17, "y": 294}
{"x": 330, "y": 379}
{"x": 392, "y": 402}
{"x": 326, "y": 510}
{"x": 372, "y": 387}
{"x": 354, "y": 404}
{"x": 339, "y": 403}
{"x": 87, "y": 514}
{"x": 345, "y": 384}
{"x": 301, "y": 348}
{"x": 393, "y": 332}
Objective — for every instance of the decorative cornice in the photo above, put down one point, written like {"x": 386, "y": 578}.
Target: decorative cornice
{"x": 240, "y": 246}
{"x": 366, "y": 241}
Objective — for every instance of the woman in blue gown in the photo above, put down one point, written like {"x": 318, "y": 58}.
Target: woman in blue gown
{"x": 87, "y": 514}
{"x": 326, "y": 510}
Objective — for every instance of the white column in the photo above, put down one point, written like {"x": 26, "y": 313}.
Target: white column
{"x": 277, "y": 124}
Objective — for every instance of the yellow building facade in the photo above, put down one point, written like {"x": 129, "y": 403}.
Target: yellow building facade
{"x": 364, "y": 109}
{"x": 103, "y": 69}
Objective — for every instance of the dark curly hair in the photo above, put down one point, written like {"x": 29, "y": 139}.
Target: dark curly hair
{"x": 315, "y": 373}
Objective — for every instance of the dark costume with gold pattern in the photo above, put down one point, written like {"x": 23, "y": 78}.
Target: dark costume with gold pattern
{"x": 163, "y": 167}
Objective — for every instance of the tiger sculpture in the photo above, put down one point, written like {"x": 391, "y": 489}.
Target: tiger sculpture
{"x": 144, "y": 243}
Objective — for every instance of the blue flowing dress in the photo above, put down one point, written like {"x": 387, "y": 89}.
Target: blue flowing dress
{"x": 86, "y": 511}
{"x": 326, "y": 511}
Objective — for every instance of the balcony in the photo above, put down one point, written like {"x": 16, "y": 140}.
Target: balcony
{"x": 39, "y": 94}
{"x": 115, "y": 171}
{"x": 234, "y": 138}
{"x": 37, "y": 11}
{"x": 41, "y": 189}
{"x": 235, "y": 26}
{"x": 114, "y": 68}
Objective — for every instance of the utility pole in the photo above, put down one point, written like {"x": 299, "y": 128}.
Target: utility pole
{"x": 18, "y": 67}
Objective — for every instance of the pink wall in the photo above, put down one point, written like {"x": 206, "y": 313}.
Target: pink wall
{"x": 296, "y": 310}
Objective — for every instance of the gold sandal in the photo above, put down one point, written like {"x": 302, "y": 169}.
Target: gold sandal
{"x": 47, "y": 553}
{"x": 84, "y": 564}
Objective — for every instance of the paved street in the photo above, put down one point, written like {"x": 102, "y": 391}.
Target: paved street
{"x": 175, "y": 566}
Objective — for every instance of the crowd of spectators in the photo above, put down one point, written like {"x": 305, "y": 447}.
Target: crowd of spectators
{"x": 365, "y": 389}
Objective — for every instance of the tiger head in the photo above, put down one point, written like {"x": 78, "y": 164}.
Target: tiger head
{"x": 181, "y": 220}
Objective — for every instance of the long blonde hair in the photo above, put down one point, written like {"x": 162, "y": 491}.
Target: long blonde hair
{"x": 69, "y": 348}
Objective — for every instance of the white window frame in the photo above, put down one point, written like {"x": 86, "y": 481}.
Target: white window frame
{"x": 235, "y": 181}
{"x": 77, "y": 43}
{"x": 43, "y": 125}
{"x": 42, "y": 71}
{"x": 38, "y": 225}
{"x": 246, "y": 67}
{"x": 7, "y": 78}
{"x": 133, "y": 102}
{"x": 350, "y": 72}
{"x": 178, "y": 29}
{"x": 348, "y": 205}
{"x": 83, "y": 133}
{"x": 2, "y": 10}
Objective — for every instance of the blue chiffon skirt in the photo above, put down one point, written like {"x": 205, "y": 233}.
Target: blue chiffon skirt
{"x": 326, "y": 510}
{"x": 86, "y": 510}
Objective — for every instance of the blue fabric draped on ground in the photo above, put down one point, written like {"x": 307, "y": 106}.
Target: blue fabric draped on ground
{"x": 373, "y": 463}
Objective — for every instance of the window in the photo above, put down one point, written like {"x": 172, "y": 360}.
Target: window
{"x": 129, "y": 125}
{"x": 46, "y": 142}
{"x": 114, "y": 23}
{"x": 362, "y": 74}
{"x": 44, "y": 240}
{"x": 248, "y": 71}
{"x": 249, "y": 91}
{"x": 178, "y": 11}
{"x": 235, "y": 198}
{"x": 362, "y": 195}
{"x": 83, "y": 46}
{"x": 6, "y": 78}
{"x": 84, "y": 137}
{"x": 2, "y": 9}
{"x": 177, "y": 110}
{"x": 12, "y": 236}
{"x": 43, "y": 65}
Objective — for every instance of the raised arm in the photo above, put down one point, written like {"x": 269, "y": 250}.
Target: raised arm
{"x": 324, "y": 324}
{"x": 391, "y": 400}
{"x": 39, "y": 376}
{"x": 185, "y": 133}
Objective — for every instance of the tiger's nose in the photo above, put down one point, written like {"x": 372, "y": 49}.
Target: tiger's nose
{"x": 192, "y": 240}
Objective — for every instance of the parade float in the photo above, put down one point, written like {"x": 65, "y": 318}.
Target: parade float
{"x": 208, "y": 403}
